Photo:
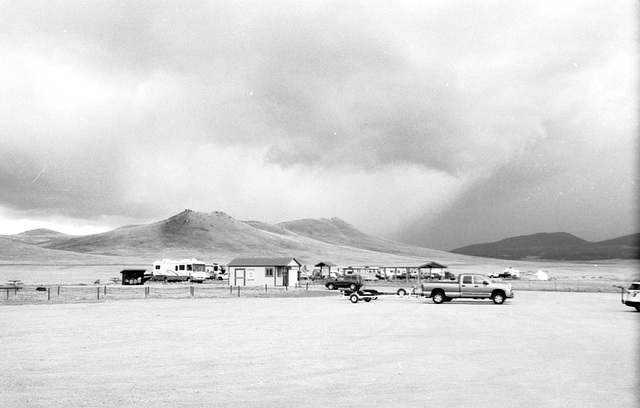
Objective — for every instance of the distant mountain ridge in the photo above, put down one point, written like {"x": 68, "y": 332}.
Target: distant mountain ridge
{"x": 556, "y": 246}
{"x": 219, "y": 237}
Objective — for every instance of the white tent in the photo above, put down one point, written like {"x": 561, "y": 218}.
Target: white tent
{"x": 542, "y": 275}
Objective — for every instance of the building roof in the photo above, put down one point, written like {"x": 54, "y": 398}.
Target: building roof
{"x": 325, "y": 264}
{"x": 263, "y": 261}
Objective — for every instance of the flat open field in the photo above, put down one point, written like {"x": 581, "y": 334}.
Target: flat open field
{"x": 541, "y": 349}
{"x": 41, "y": 273}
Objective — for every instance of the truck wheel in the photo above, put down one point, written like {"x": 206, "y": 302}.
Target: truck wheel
{"x": 353, "y": 286}
{"x": 367, "y": 299}
{"x": 401, "y": 292}
{"x": 638, "y": 308}
{"x": 353, "y": 298}
{"x": 438, "y": 297}
{"x": 331, "y": 286}
{"x": 498, "y": 298}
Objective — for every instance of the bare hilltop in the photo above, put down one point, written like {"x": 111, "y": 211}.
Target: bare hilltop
{"x": 218, "y": 237}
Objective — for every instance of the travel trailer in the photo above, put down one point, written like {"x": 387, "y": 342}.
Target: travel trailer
{"x": 184, "y": 270}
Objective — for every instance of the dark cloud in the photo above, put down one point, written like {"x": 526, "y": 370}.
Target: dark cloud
{"x": 114, "y": 98}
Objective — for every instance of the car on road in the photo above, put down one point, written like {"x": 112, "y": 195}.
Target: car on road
{"x": 353, "y": 282}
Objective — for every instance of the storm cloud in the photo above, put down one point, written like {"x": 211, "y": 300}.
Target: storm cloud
{"x": 463, "y": 119}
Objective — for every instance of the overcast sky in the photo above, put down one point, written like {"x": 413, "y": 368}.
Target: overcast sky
{"x": 439, "y": 123}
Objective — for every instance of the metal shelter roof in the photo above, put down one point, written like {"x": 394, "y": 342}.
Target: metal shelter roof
{"x": 432, "y": 264}
{"x": 321, "y": 264}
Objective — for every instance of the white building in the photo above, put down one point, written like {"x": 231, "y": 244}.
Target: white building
{"x": 263, "y": 271}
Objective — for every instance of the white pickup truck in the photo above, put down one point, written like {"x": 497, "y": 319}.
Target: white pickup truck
{"x": 467, "y": 286}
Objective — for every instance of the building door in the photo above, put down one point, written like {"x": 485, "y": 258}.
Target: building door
{"x": 239, "y": 281}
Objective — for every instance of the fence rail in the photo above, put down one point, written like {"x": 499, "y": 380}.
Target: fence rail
{"x": 27, "y": 294}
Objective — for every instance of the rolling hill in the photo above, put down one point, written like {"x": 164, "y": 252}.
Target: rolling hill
{"x": 219, "y": 238}
{"x": 556, "y": 246}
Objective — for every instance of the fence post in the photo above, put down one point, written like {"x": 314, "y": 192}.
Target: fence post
{"x": 98, "y": 291}
{"x": 193, "y": 290}
{"x": 7, "y": 293}
{"x": 307, "y": 286}
{"x": 265, "y": 288}
{"x": 238, "y": 291}
{"x": 231, "y": 289}
{"x": 48, "y": 293}
{"x": 105, "y": 290}
{"x": 58, "y": 290}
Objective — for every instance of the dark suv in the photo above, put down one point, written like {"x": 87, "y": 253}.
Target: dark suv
{"x": 353, "y": 282}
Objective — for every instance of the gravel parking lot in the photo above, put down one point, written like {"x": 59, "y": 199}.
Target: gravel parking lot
{"x": 541, "y": 349}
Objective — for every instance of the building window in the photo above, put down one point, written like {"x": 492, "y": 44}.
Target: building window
{"x": 268, "y": 272}
{"x": 280, "y": 272}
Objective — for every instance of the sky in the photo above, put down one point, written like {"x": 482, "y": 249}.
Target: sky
{"x": 440, "y": 123}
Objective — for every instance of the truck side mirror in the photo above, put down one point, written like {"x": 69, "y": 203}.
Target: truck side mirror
{"x": 485, "y": 282}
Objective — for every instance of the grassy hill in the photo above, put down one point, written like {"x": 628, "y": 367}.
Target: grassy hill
{"x": 338, "y": 232}
{"x": 38, "y": 236}
{"x": 13, "y": 251}
{"x": 556, "y": 246}
{"x": 217, "y": 237}
{"x": 48, "y": 256}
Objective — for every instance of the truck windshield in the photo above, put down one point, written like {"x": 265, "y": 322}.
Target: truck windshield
{"x": 634, "y": 286}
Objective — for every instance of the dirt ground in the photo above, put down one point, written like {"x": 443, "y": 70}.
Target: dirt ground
{"x": 541, "y": 349}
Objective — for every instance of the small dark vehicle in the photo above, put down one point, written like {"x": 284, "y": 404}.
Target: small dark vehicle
{"x": 353, "y": 282}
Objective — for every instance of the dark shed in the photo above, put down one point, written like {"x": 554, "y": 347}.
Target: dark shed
{"x": 133, "y": 276}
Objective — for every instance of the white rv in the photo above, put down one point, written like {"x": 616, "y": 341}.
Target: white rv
{"x": 185, "y": 269}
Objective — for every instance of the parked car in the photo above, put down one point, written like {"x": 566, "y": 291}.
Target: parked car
{"x": 222, "y": 275}
{"x": 508, "y": 273}
{"x": 631, "y": 296}
{"x": 353, "y": 282}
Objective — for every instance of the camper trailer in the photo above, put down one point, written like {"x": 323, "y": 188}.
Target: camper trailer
{"x": 184, "y": 270}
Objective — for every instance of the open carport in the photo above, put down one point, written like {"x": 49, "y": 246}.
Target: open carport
{"x": 542, "y": 349}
